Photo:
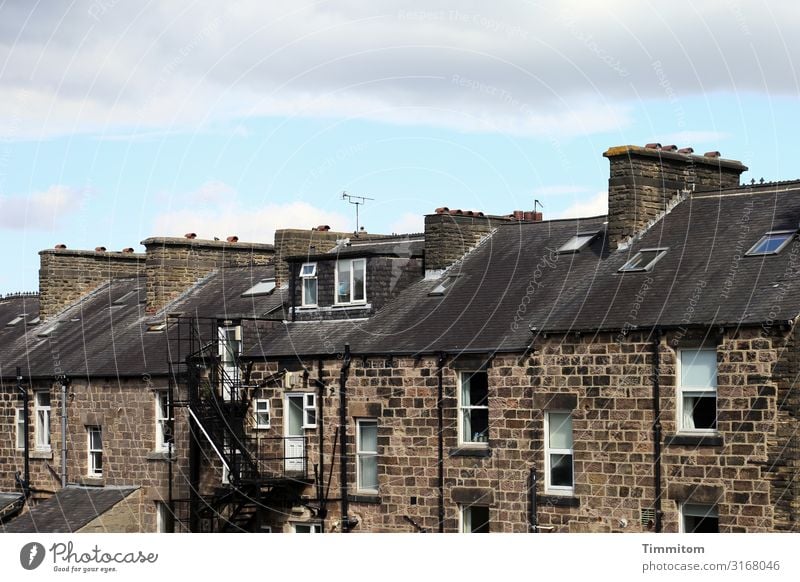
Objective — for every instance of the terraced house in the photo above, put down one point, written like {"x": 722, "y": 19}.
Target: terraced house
{"x": 634, "y": 372}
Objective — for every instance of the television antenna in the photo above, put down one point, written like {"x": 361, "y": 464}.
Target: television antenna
{"x": 356, "y": 201}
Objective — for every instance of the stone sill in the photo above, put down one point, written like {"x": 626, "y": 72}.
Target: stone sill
{"x": 365, "y": 498}
{"x": 471, "y": 452}
{"x": 41, "y": 455}
{"x": 558, "y": 500}
{"x": 157, "y": 456}
{"x": 92, "y": 481}
{"x": 694, "y": 440}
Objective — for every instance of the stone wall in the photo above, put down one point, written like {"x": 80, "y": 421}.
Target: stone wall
{"x": 175, "y": 264}
{"x": 67, "y": 275}
{"x": 448, "y": 237}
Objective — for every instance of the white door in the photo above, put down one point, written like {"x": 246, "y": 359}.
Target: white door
{"x": 294, "y": 447}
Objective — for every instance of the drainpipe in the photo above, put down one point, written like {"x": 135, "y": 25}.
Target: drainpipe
{"x": 534, "y": 520}
{"x": 657, "y": 428}
{"x": 440, "y": 419}
{"x": 26, "y": 484}
{"x": 321, "y": 428}
{"x": 346, "y": 524}
{"x": 65, "y": 382}
{"x": 292, "y": 289}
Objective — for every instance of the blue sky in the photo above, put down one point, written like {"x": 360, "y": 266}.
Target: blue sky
{"x": 119, "y": 122}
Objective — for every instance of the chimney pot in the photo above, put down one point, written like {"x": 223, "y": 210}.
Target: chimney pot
{"x": 527, "y": 215}
{"x": 100, "y": 249}
{"x": 518, "y": 215}
{"x": 60, "y": 246}
{"x": 232, "y": 239}
{"x": 190, "y": 235}
{"x": 323, "y": 228}
{"x": 457, "y": 211}
{"x": 537, "y": 216}
{"x": 653, "y": 146}
{"x": 686, "y": 151}
{"x": 127, "y": 250}
{"x": 669, "y": 148}
{"x": 714, "y": 154}
{"x": 442, "y": 210}
{"x": 480, "y": 214}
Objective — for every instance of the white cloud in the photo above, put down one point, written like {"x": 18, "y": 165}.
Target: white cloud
{"x": 508, "y": 67}
{"x": 693, "y": 137}
{"x": 224, "y": 215}
{"x": 595, "y": 206}
{"x": 407, "y": 223}
{"x": 40, "y": 210}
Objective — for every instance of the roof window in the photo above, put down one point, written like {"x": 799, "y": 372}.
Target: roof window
{"x": 771, "y": 243}
{"x": 577, "y": 242}
{"x": 443, "y": 286}
{"x": 643, "y": 260}
{"x": 16, "y": 320}
{"x": 263, "y": 287}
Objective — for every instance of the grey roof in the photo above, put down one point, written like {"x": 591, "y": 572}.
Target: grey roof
{"x": 106, "y": 333}
{"x": 9, "y": 503}
{"x": 70, "y": 509}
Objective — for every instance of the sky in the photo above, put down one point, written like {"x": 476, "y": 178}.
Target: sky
{"x": 124, "y": 120}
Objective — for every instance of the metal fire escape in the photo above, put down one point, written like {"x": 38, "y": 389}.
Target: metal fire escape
{"x": 234, "y": 473}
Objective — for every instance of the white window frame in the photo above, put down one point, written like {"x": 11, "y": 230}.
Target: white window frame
{"x": 19, "y": 423}
{"x": 261, "y": 405}
{"x": 351, "y": 301}
{"x": 684, "y": 391}
{"x": 466, "y": 440}
{"x": 94, "y": 453}
{"x": 162, "y": 421}
{"x": 312, "y": 527}
{"x": 751, "y": 252}
{"x": 310, "y": 276}
{"x": 309, "y": 410}
{"x": 42, "y": 414}
{"x": 572, "y": 246}
{"x": 465, "y": 518}
{"x": 548, "y": 450}
{"x": 360, "y": 454}
{"x": 696, "y": 510}
{"x": 626, "y": 268}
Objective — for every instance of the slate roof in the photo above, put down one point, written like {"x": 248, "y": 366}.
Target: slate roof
{"x": 10, "y": 503}
{"x": 69, "y": 510}
{"x": 407, "y": 245}
{"x": 106, "y": 333}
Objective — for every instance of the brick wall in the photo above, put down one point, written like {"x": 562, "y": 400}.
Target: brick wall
{"x": 175, "y": 264}
{"x": 67, "y": 275}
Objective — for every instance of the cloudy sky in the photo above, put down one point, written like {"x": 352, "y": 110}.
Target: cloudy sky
{"x": 123, "y": 120}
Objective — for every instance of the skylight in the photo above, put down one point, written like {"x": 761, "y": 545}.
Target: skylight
{"x": 577, "y": 242}
{"x": 643, "y": 260}
{"x": 16, "y": 320}
{"x": 263, "y": 287}
{"x": 443, "y": 286}
{"x": 772, "y": 242}
{"x": 127, "y": 297}
{"x": 153, "y": 327}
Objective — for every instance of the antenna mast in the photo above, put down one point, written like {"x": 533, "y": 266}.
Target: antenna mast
{"x": 356, "y": 201}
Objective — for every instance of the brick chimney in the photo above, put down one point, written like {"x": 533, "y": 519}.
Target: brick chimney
{"x": 643, "y": 180}
{"x": 67, "y": 275}
{"x": 175, "y": 264}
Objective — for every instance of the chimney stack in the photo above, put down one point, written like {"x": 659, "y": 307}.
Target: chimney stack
{"x": 643, "y": 180}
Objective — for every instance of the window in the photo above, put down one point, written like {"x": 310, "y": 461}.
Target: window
{"x": 772, "y": 242}
{"x": 558, "y": 452}
{"x": 230, "y": 341}
{"x": 577, "y": 242}
{"x": 697, "y": 518}
{"x": 474, "y": 519}
{"x": 162, "y": 517}
{"x": 309, "y": 410}
{"x": 308, "y": 278}
{"x": 263, "y": 287}
{"x": 43, "y": 421}
{"x": 20, "y": 424}
{"x": 164, "y": 435}
{"x": 697, "y": 401}
{"x": 95, "y": 437}
{"x": 473, "y": 396}
{"x": 643, "y": 260}
{"x": 306, "y": 528}
{"x": 367, "y": 455}
{"x": 261, "y": 413}
{"x": 351, "y": 281}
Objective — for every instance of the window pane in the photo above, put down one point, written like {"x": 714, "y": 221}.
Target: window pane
{"x": 561, "y": 470}
{"x": 476, "y": 425}
{"x": 343, "y": 290}
{"x": 699, "y": 368}
{"x": 770, "y": 243}
{"x": 560, "y": 424}
{"x": 575, "y": 243}
{"x": 368, "y": 472}
{"x": 702, "y": 411}
{"x": 700, "y": 518}
{"x": 295, "y": 414}
{"x": 95, "y": 439}
{"x": 369, "y": 437}
{"x": 262, "y": 418}
{"x": 309, "y": 291}
{"x": 478, "y": 519}
{"x": 358, "y": 280}
{"x": 475, "y": 389}
{"x": 43, "y": 399}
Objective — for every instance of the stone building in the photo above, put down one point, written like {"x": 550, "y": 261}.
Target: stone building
{"x": 633, "y": 372}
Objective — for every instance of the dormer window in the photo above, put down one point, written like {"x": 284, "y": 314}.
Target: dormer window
{"x": 351, "y": 281}
{"x": 643, "y": 260}
{"x": 308, "y": 279}
{"x": 577, "y": 242}
{"x": 772, "y": 243}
